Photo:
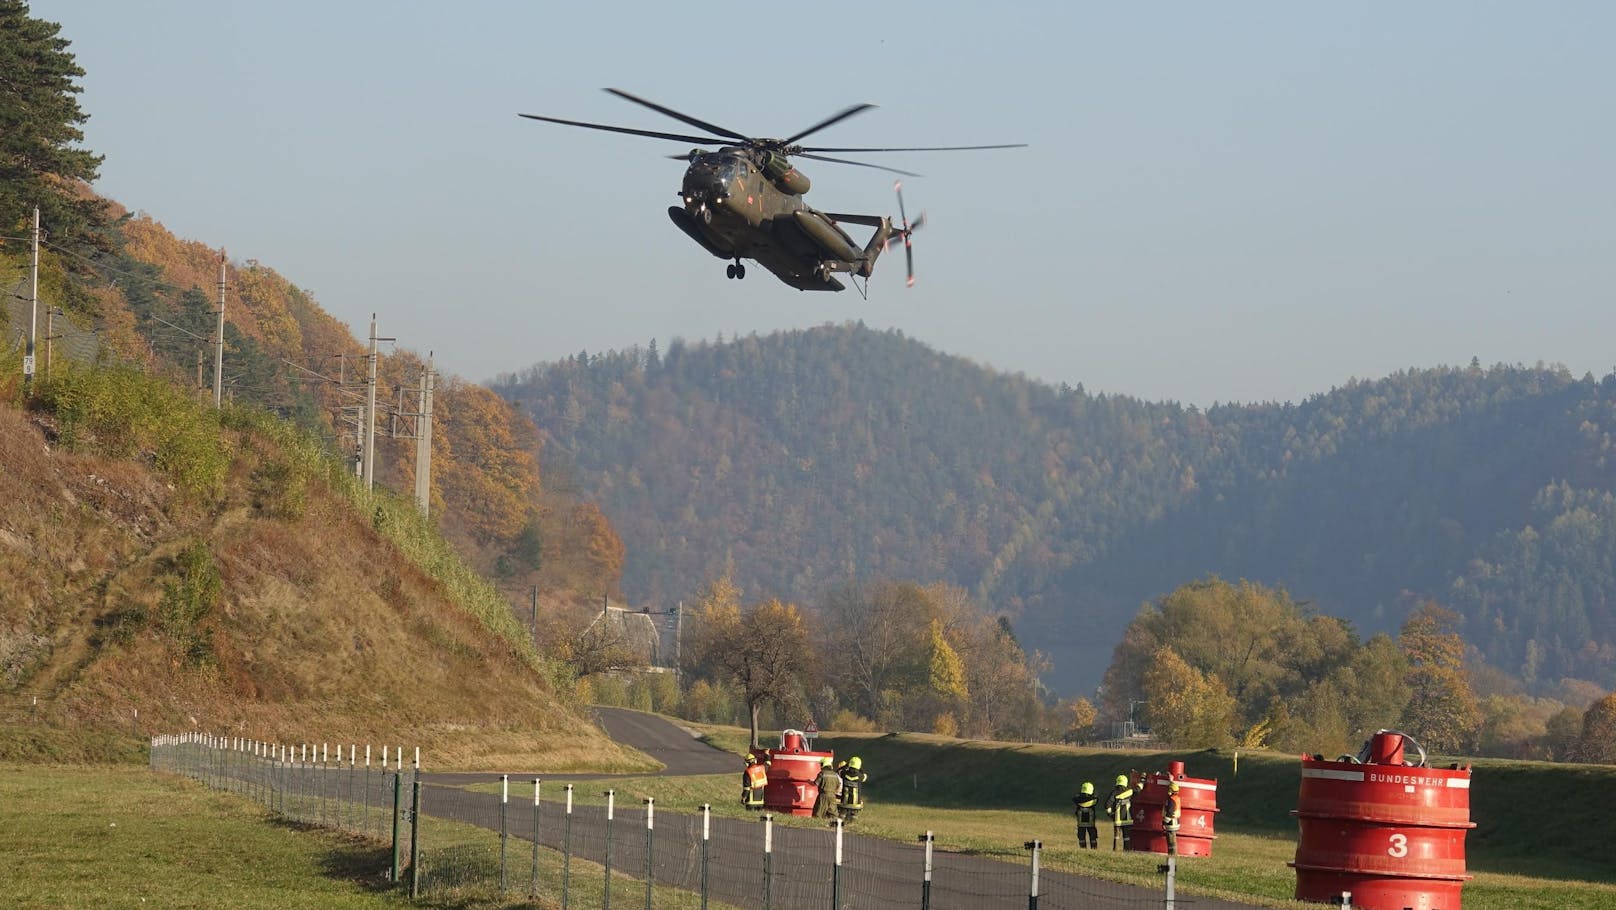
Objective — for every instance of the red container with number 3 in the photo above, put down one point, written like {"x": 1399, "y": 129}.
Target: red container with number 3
{"x": 1387, "y": 831}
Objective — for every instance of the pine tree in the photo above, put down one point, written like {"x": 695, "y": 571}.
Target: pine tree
{"x": 39, "y": 127}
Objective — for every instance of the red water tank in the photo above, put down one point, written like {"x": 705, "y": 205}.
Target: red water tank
{"x": 1388, "y": 831}
{"x": 1198, "y": 803}
{"x": 793, "y": 769}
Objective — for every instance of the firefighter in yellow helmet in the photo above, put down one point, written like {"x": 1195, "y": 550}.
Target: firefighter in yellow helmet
{"x": 1119, "y": 806}
{"x": 853, "y": 778}
{"x": 1172, "y": 809}
{"x": 1087, "y": 811}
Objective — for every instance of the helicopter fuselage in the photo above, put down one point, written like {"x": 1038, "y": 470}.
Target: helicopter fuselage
{"x": 740, "y": 203}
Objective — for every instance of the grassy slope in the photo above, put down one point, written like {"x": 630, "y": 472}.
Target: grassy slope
{"x": 324, "y": 629}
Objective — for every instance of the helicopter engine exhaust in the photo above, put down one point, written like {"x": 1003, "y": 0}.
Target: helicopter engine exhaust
{"x": 780, "y": 172}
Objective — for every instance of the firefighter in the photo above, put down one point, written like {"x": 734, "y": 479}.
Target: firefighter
{"x": 1088, "y": 811}
{"x": 1171, "y": 811}
{"x": 754, "y": 778}
{"x": 853, "y": 778}
{"x": 830, "y": 790}
{"x": 1119, "y": 805}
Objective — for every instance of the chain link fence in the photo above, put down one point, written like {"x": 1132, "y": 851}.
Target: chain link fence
{"x": 534, "y": 839}
{"x": 58, "y": 337}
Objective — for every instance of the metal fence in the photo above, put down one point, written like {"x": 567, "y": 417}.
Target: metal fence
{"x": 535, "y": 839}
{"x": 57, "y": 336}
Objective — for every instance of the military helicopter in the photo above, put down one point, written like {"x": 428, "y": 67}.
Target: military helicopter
{"x": 744, "y": 201}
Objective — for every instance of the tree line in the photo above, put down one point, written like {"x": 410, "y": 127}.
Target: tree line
{"x": 1218, "y": 664}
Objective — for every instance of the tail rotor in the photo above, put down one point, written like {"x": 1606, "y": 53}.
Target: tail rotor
{"x": 906, "y": 231}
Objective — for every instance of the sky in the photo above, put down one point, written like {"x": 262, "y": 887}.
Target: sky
{"x": 1229, "y": 202}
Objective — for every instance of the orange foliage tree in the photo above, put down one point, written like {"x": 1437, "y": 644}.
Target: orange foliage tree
{"x": 484, "y": 462}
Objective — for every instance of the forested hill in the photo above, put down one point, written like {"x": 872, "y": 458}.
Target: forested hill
{"x": 803, "y": 459}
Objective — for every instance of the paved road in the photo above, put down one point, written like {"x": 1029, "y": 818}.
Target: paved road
{"x": 679, "y": 751}
{"x": 801, "y": 866}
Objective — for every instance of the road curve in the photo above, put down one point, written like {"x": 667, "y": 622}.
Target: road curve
{"x": 679, "y": 751}
{"x": 675, "y": 747}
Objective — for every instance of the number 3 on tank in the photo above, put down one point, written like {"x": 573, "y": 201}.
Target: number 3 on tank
{"x": 1399, "y": 847}
{"x": 744, "y": 201}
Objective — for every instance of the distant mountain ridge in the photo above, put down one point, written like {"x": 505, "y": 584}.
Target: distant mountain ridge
{"x": 802, "y": 459}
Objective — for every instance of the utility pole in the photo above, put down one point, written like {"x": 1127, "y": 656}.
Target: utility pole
{"x": 218, "y": 343}
{"x": 369, "y": 455}
{"x": 370, "y": 410}
{"x": 33, "y": 315}
{"x": 423, "y": 446}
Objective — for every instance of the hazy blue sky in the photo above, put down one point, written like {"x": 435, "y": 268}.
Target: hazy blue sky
{"x": 1222, "y": 201}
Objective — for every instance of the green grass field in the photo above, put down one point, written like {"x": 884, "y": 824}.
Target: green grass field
{"x": 121, "y": 836}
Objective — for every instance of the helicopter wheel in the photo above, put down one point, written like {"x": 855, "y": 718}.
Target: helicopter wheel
{"x": 740, "y": 270}
{"x": 729, "y": 270}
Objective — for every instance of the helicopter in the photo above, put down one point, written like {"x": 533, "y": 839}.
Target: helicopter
{"x": 745, "y": 201}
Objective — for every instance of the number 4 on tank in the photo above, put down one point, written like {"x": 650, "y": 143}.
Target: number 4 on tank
{"x": 744, "y": 201}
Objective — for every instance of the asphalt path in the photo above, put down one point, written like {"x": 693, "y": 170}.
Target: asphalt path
{"x": 677, "y": 748}
{"x": 800, "y": 869}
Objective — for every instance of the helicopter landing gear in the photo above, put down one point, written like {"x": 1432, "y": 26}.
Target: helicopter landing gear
{"x": 735, "y": 270}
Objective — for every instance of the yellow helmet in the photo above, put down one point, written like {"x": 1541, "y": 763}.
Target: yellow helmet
{"x": 1122, "y": 780}
{"x": 855, "y": 762}
{"x": 1087, "y": 789}
{"x": 825, "y": 762}
{"x": 1172, "y": 787}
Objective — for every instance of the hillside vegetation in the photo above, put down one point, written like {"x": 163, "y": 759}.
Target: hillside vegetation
{"x": 221, "y": 570}
{"x": 805, "y": 459}
{"x": 217, "y": 571}
{"x": 151, "y": 301}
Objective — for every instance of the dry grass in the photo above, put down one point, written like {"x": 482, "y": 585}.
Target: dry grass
{"x": 324, "y": 629}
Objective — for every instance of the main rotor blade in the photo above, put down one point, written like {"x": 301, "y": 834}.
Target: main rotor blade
{"x": 934, "y": 148}
{"x": 879, "y": 167}
{"x": 684, "y": 118}
{"x": 698, "y": 140}
{"x": 828, "y": 121}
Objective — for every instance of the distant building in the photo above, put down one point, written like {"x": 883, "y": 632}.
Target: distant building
{"x": 631, "y": 633}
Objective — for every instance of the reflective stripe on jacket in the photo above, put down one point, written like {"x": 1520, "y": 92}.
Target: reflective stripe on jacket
{"x": 1087, "y": 808}
{"x": 1171, "y": 810}
{"x": 1120, "y": 805}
